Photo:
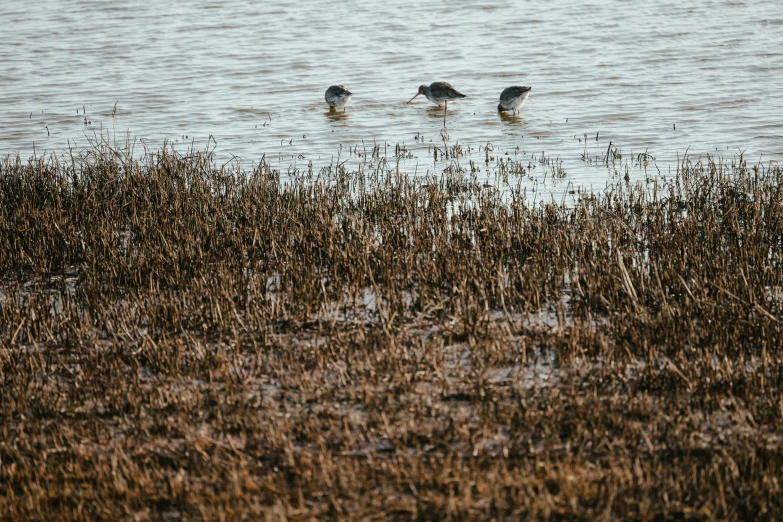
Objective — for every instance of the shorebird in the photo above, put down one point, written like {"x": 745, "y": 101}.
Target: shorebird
{"x": 513, "y": 98}
{"x": 337, "y": 96}
{"x": 440, "y": 93}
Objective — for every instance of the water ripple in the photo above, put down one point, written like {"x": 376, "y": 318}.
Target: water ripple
{"x": 197, "y": 69}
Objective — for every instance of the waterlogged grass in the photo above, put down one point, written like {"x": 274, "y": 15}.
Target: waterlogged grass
{"x": 184, "y": 341}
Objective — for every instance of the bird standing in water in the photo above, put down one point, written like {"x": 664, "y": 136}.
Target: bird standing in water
{"x": 440, "y": 93}
{"x": 337, "y": 96}
{"x": 513, "y": 98}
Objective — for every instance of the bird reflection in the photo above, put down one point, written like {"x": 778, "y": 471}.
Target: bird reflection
{"x": 335, "y": 116}
{"x": 436, "y": 111}
{"x": 511, "y": 118}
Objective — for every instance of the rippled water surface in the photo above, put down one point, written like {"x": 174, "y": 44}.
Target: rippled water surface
{"x": 662, "y": 76}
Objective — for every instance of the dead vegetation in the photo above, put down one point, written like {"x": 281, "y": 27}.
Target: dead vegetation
{"x": 184, "y": 341}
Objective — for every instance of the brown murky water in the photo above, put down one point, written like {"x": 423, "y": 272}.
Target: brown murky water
{"x": 665, "y": 77}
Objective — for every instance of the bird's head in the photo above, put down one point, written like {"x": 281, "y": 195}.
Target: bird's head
{"x": 422, "y": 90}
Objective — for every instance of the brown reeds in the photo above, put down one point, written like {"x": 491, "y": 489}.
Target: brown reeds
{"x": 184, "y": 341}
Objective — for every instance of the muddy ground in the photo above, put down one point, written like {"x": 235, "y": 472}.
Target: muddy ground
{"x": 181, "y": 341}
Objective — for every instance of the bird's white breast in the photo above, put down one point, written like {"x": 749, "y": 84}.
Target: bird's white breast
{"x": 518, "y": 102}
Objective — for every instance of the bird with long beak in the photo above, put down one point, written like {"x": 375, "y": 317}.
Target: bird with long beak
{"x": 440, "y": 93}
{"x": 513, "y": 98}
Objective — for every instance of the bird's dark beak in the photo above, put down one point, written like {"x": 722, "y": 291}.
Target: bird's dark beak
{"x": 414, "y": 97}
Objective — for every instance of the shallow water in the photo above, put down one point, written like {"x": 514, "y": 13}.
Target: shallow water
{"x": 661, "y": 76}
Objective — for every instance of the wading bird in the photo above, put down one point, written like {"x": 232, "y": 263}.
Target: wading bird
{"x": 337, "y": 96}
{"x": 513, "y": 98}
{"x": 440, "y": 93}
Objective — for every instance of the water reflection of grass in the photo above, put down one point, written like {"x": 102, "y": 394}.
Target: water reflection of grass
{"x": 180, "y": 340}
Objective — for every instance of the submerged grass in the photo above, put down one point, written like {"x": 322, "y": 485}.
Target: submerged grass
{"x": 184, "y": 341}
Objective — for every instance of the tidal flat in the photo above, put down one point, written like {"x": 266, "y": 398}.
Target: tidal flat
{"x": 183, "y": 340}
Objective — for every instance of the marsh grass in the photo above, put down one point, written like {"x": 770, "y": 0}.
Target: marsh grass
{"x": 184, "y": 341}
